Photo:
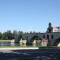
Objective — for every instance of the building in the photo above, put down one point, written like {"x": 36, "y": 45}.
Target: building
{"x": 56, "y": 29}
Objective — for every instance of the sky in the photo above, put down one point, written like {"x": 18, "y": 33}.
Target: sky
{"x": 29, "y": 15}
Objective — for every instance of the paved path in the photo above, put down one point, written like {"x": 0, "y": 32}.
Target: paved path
{"x": 30, "y": 54}
{"x": 19, "y": 48}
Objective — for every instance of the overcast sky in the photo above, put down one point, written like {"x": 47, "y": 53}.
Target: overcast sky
{"x": 29, "y": 15}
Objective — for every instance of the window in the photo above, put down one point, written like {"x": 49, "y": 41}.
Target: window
{"x": 51, "y": 36}
{"x": 47, "y": 36}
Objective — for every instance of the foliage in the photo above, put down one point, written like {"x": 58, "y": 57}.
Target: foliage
{"x": 0, "y": 35}
{"x": 17, "y": 35}
{"x": 36, "y": 38}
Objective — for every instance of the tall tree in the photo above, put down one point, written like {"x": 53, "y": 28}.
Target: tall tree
{"x": 9, "y": 35}
{"x": 5, "y": 37}
{"x": 0, "y": 35}
{"x": 14, "y": 34}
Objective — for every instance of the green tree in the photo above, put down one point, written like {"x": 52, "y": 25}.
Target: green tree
{"x": 4, "y": 36}
{"x": 18, "y": 37}
{"x": 9, "y": 35}
{"x": 0, "y": 35}
{"x": 14, "y": 34}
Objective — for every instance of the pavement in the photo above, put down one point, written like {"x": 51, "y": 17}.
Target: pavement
{"x": 26, "y": 48}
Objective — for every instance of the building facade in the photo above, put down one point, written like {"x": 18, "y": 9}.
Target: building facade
{"x": 56, "y": 29}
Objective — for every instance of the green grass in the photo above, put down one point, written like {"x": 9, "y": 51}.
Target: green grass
{"x": 5, "y": 40}
{"x": 14, "y": 47}
{"x": 49, "y": 47}
{"x": 7, "y": 46}
{"x": 28, "y": 47}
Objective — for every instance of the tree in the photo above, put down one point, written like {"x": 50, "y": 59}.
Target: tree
{"x": 36, "y": 38}
{"x": 0, "y": 35}
{"x": 14, "y": 34}
{"x": 9, "y": 35}
{"x": 4, "y": 37}
{"x": 18, "y": 37}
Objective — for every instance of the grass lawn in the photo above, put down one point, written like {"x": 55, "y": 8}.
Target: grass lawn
{"x": 17, "y": 47}
{"x": 5, "y": 40}
{"x": 7, "y": 46}
{"x": 28, "y": 47}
